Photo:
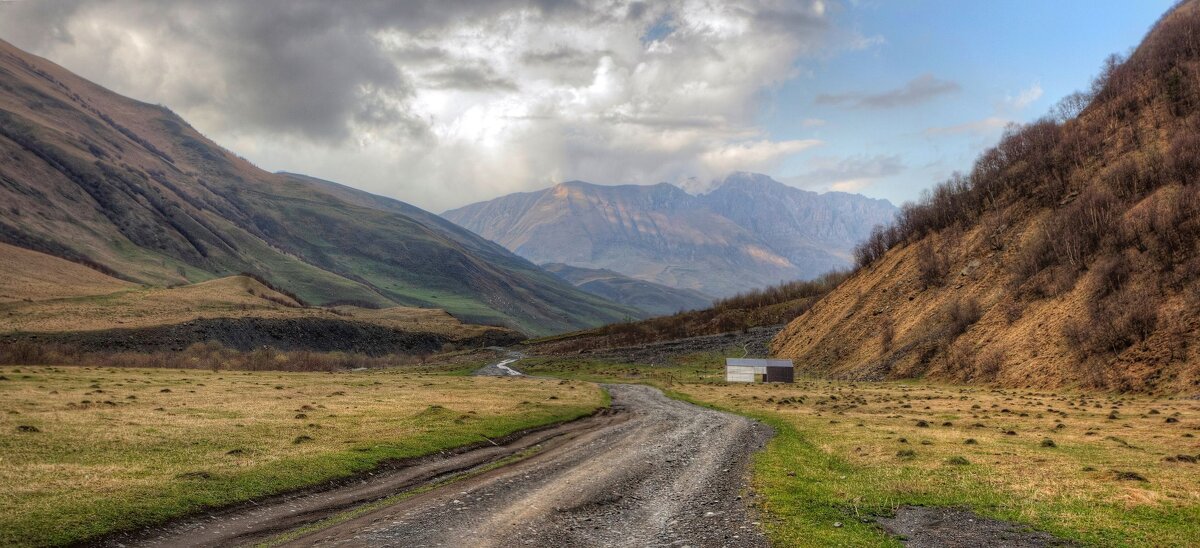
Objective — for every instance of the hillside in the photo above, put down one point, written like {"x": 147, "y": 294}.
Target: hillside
{"x": 749, "y": 232}
{"x": 651, "y": 298}
{"x": 757, "y": 314}
{"x": 86, "y": 310}
{"x": 133, "y": 191}
{"x": 23, "y": 277}
{"x": 1067, "y": 257}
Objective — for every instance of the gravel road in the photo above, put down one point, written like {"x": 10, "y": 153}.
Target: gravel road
{"x": 672, "y": 474}
{"x": 501, "y": 368}
{"x": 649, "y": 471}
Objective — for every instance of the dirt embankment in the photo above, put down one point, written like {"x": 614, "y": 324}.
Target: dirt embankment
{"x": 313, "y": 334}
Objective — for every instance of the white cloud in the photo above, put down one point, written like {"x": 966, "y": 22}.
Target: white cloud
{"x": 1024, "y": 98}
{"x": 441, "y": 103}
{"x": 753, "y": 155}
{"x": 847, "y": 174}
{"x": 990, "y": 124}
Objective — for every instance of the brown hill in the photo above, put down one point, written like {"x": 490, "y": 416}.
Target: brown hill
{"x": 26, "y": 275}
{"x": 1067, "y": 257}
{"x": 132, "y": 190}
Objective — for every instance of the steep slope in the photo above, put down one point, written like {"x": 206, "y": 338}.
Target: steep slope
{"x": 815, "y": 232}
{"x": 1070, "y": 256}
{"x": 750, "y": 232}
{"x": 133, "y": 191}
{"x": 649, "y": 297}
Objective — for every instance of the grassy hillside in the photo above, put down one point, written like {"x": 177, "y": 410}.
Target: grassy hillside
{"x": 1069, "y": 255}
{"x": 133, "y": 191}
{"x": 53, "y": 307}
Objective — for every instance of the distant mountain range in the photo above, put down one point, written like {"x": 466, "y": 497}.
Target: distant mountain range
{"x": 133, "y": 191}
{"x": 649, "y": 297}
{"x": 749, "y": 231}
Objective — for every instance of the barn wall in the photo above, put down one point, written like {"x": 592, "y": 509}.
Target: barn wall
{"x": 735, "y": 373}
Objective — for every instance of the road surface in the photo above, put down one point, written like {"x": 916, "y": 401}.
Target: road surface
{"x": 650, "y": 472}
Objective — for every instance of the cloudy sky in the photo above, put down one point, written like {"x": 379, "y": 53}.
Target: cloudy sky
{"x": 444, "y": 102}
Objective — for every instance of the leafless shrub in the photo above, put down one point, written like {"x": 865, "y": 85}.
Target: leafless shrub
{"x": 1183, "y": 156}
{"x": 1169, "y": 230}
{"x": 1080, "y": 228}
{"x": 960, "y": 361}
{"x": 993, "y": 227}
{"x": 1012, "y": 310}
{"x": 989, "y": 363}
{"x": 1071, "y": 106}
{"x": 960, "y": 314}
{"x": 1035, "y": 254}
{"x": 24, "y": 352}
{"x": 887, "y": 335}
{"x": 932, "y": 265}
{"x": 1113, "y": 324}
{"x": 209, "y": 355}
{"x": 873, "y": 248}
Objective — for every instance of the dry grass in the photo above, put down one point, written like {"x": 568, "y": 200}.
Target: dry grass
{"x": 24, "y": 275}
{"x": 845, "y": 451}
{"x": 1069, "y": 485}
{"x": 88, "y": 450}
{"x": 231, "y": 297}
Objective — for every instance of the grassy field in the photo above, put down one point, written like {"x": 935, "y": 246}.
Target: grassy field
{"x": 85, "y": 451}
{"x": 1105, "y": 470}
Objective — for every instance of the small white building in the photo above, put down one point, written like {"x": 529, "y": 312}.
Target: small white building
{"x": 751, "y": 370}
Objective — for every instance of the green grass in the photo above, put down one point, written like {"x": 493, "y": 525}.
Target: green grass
{"x": 117, "y": 463}
{"x": 837, "y": 456}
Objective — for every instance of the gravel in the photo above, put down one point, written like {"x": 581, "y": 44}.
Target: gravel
{"x": 929, "y": 527}
{"x": 501, "y": 368}
{"x": 673, "y": 474}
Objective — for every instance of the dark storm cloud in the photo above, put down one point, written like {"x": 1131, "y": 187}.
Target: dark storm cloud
{"x": 559, "y": 55}
{"x": 919, "y": 90}
{"x": 310, "y": 68}
{"x": 468, "y": 78}
{"x": 495, "y": 95}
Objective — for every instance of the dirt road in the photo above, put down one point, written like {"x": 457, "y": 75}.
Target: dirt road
{"x": 651, "y": 472}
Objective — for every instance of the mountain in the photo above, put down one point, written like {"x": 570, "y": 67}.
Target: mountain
{"x": 1068, "y": 256}
{"x": 651, "y": 298}
{"x": 131, "y": 190}
{"x": 751, "y": 231}
{"x": 815, "y": 232}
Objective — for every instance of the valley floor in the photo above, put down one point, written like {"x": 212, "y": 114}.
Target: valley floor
{"x": 88, "y": 451}
{"x": 1093, "y": 468}
{"x": 97, "y": 450}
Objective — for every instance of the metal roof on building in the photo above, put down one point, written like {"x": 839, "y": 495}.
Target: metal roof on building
{"x": 758, "y": 363}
